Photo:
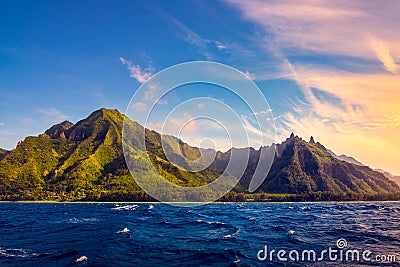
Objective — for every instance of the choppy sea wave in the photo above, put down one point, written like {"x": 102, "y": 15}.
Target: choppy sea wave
{"x": 34, "y": 234}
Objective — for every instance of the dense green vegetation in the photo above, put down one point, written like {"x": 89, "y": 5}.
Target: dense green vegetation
{"x": 305, "y": 168}
{"x": 316, "y": 196}
{"x": 307, "y": 171}
{"x": 85, "y": 162}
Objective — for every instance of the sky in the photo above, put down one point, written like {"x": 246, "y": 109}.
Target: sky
{"x": 330, "y": 69}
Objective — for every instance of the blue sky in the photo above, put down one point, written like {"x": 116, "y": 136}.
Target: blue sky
{"x": 330, "y": 70}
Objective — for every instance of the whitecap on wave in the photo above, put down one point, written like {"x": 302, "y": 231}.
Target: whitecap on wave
{"x": 15, "y": 253}
{"x": 206, "y": 222}
{"x": 125, "y": 207}
{"x": 232, "y": 235}
{"x": 125, "y": 230}
{"x": 81, "y": 259}
{"x": 290, "y": 232}
{"x": 82, "y": 220}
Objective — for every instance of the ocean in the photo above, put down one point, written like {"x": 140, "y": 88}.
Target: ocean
{"x": 233, "y": 234}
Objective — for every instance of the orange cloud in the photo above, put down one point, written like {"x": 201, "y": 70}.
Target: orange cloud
{"x": 383, "y": 53}
{"x": 363, "y": 29}
{"x": 365, "y": 125}
{"x": 139, "y": 106}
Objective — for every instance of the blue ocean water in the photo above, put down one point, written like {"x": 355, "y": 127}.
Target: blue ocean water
{"x": 39, "y": 234}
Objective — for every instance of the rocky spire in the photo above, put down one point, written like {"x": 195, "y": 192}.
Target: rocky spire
{"x": 291, "y": 135}
{"x": 312, "y": 140}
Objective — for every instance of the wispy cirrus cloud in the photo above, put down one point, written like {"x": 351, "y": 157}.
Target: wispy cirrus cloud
{"x": 364, "y": 124}
{"x": 204, "y": 45}
{"x": 329, "y": 27}
{"x": 383, "y": 53}
{"x": 249, "y": 75}
{"x": 52, "y": 115}
{"x": 355, "y": 111}
{"x": 140, "y": 74}
{"x": 220, "y": 45}
{"x": 139, "y": 106}
{"x": 152, "y": 93}
{"x": 150, "y": 97}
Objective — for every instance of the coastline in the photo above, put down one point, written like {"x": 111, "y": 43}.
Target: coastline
{"x": 198, "y": 203}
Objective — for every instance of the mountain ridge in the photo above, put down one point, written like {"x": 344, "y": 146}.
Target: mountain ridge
{"x": 85, "y": 161}
{"x": 392, "y": 177}
{"x": 345, "y": 158}
{"x": 350, "y": 159}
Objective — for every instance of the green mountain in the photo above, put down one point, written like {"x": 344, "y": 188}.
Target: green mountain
{"x": 309, "y": 169}
{"x": 305, "y": 167}
{"x": 85, "y": 161}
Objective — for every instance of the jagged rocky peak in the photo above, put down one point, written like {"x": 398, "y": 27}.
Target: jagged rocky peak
{"x": 58, "y": 130}
{"x": 312, "y": 140}
{"x": 282, "y": 146}
{"x": 291, "y": 138}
